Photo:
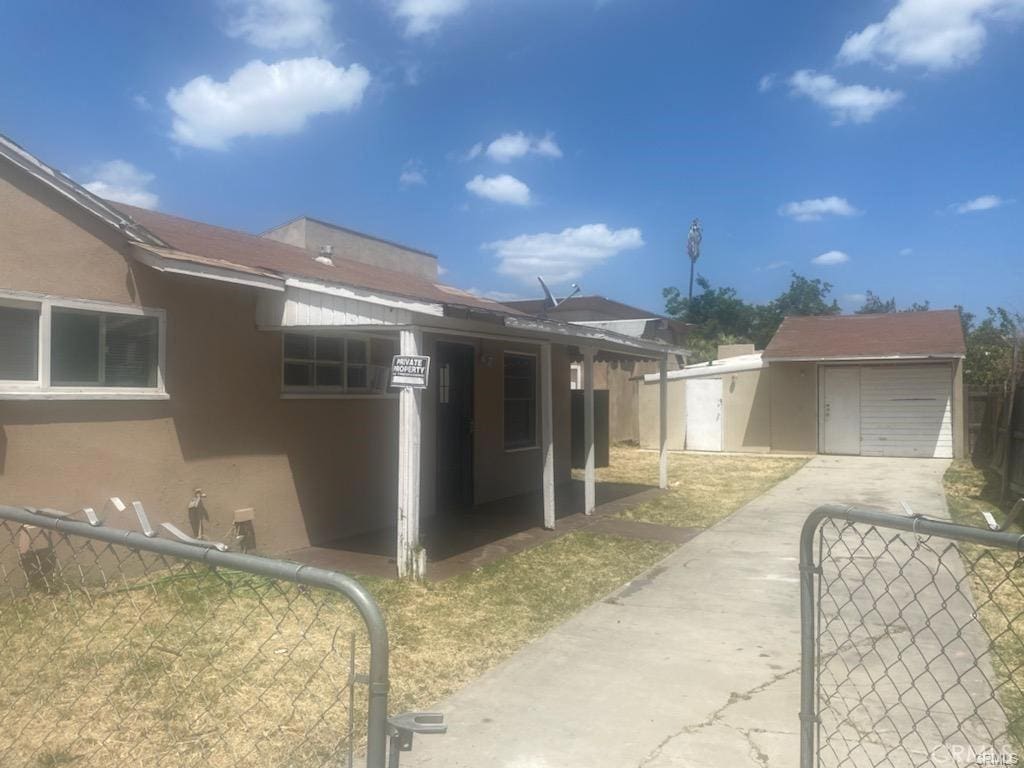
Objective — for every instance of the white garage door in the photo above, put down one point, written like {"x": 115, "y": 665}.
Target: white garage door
{"x": 905, "y": 410}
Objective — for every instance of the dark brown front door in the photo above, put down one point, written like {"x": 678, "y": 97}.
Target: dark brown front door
{"x": 455, "y": 364}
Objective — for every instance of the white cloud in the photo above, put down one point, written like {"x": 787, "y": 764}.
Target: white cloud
{"x": 122, "y": 182}
{"x": 983, "y": 203}
{"x": 141, "y": 103}
{"x": 474, "y": 152}
{"x": 277, "y": 24}
{"x": 847, "y": 103}
{"x": 424, "y": 16}
{"x": 563, "y": 256}
{"x": 830, "y": 258}
{"x": 771, "y": 265}
{"x": 766, "y": 83}
{"x": 934, "y": 34}
{"x": 500, "y": 189}
{"x": 263, "y": 100}
{"x": 512, "y": 146}
{"x": 853, "y": 299}
{"x": 906, "y": 251}
{"x": 412, "y": 174}
{"x": 817, "y": 208}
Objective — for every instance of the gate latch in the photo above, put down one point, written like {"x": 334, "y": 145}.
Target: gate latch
{"x": 402, "y": 727}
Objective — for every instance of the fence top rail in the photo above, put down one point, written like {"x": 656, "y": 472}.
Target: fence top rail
{"x": 917, "y": 524}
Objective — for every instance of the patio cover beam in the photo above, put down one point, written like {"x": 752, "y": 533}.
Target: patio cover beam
{"x": 411, "y": 557}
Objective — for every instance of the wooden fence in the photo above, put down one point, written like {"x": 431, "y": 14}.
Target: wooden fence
{"x": 995, "y": 421}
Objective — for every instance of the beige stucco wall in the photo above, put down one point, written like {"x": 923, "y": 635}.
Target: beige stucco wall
{"x": 746, "y": 412}
{"x": 746, "y": 409}
{"x": 311, "y": 234}
{"x": 649, "y": 414}
{"x": 794, "y": 407}
{"x": 313, "y": 469}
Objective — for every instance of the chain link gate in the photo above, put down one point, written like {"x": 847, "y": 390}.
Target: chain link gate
{"x": 912, "y": 642}
{"x": 120, "y": 648}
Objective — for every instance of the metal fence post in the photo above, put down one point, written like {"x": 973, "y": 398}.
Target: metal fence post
{"x": 808, "y": 699}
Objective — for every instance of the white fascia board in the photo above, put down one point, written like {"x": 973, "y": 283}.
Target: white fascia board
{"x": 635, "y": 328}
{"x": 592, "y": 337}
{"x": 865, "y": 358}
{"x": 207, "y": 271}
{"x": 710, "y": 370}
{"x": 371, "y": 297}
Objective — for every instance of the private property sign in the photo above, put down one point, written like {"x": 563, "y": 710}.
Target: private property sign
{"x": 410, "y": 371}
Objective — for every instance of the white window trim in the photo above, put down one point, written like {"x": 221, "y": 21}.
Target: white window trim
{"x": 42, "y": 389}
{"x": 343, "y": 392}
{"x": 536, "y": 400}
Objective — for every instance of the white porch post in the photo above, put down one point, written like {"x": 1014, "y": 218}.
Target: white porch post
{"x": 547, "y": 438}
{"x": 589, "y": 495}
{"x": 663, "y": 422}
{"x": 411, "y": 558}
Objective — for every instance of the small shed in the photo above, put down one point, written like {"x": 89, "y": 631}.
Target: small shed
{"x": 721, "y": 405}
{"x": 860, "y": 385}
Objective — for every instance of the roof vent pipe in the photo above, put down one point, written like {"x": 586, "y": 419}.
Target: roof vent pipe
{"x": 326, "y": 251}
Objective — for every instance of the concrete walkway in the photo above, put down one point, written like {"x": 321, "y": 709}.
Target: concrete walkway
{"x": 694, "y": 664}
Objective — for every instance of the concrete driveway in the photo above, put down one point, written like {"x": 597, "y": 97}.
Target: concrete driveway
{"x": 694, "y": 664}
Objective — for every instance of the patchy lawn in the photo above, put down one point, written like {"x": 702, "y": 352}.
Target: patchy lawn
{"x": 998, "y": 584}
{"x": 703, "y": 488}
{"x": 194, "y": 667}
{"x": 214, "y": 668}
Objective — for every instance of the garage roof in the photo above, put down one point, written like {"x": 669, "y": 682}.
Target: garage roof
{"x": 936, "y": 333}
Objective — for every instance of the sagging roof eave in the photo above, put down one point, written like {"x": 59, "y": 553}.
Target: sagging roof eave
{"x": 75, "y": 192}
{"x": 865, "y": 358}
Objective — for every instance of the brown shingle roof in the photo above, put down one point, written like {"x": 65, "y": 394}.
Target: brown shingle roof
{"x": 594, "y": 307}
{"x": 233, "y": 247}
{"x": 936, "y": 333}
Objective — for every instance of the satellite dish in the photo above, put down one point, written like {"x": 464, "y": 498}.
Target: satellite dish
{"x": 550, "y": 302}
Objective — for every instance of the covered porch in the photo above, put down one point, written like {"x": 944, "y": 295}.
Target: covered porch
{"x": 466, "y": 485}
{"x": 463, "y": 541}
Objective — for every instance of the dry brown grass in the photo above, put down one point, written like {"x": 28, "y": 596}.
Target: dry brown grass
{"x": 703, "y": 488}
{"x": 997, "y": 580}
{"x": 221, "y": 669}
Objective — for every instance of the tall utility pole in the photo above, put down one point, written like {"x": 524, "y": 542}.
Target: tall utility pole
{"x": 693, "y": 249}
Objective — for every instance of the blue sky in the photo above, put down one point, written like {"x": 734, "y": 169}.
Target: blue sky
{"x": 571, "y": 138}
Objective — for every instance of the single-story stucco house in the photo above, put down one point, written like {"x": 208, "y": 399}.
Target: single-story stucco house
{"x": 144, "y": 356}
{"x": 869, "y": 385}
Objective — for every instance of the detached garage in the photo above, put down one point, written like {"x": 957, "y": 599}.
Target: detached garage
{"x": 856, "y": 385}
{"x": 887, "y": 385}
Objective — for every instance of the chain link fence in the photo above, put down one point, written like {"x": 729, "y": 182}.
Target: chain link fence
{"x": 125, "y": 649}
{"x": 913, "y": 642}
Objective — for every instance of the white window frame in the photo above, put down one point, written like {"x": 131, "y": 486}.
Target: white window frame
{"x": 536, "y": 400}
{"x": 291, "y": 392}
{"x": 42, "y": 389}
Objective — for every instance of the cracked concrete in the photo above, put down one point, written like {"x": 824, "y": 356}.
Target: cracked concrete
{"x": 694, "y": 664}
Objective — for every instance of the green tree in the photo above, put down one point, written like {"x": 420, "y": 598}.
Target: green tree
{"x": 990, "y": 346}
{"x": 722, "y": 317}
{"x": 875, "y": 305}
